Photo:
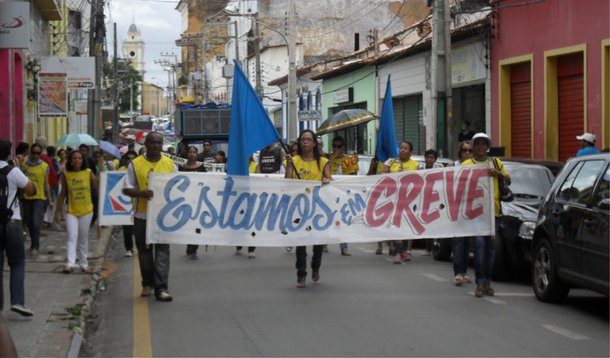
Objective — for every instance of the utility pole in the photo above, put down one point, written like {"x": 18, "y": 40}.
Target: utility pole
{"x": 291, "y": 118}
{"x": 97, "y": 32}
{"x": 257, "y": 52}
{"x": 440, "y": 81}
{"x": 236, "y": 39}
{"x": 204, "y": 68}
{"x": 115, "y": 91}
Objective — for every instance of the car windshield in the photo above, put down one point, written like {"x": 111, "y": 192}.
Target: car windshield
{"x": 529, "y": 180}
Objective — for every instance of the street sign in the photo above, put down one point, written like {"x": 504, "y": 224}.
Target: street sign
{"x": 310, "y": 115}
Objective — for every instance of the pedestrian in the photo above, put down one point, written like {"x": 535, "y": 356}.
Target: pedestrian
{"x": 127, "y": 229}
{"x": 21, "y": 153}
{"x": 460, "y": 245}
{"x": 220, "y": 157}
{"x": 342, "y": 164}
{"x": 11, "y": 230}
{"x": 587, "y": 144}
{"x": 153, "y": 258}
{"x": 34, "y": 205}
{"x": 62, "y": 154}
{"x": 192, "y": 165}
{"x": 271, "y": 160}
{"x": 308, "y": 164}
{"x": 403, "y": 163}
{"x": 78, "y": 182}
{"x": 207, "y": 156}
{"x": 93, "y": 165}
{"x": 485, "y": 246}
{"x": 430, "y": 157}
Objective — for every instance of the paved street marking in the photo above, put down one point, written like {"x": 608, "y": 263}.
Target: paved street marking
{"x": 142, "y": 344}
{"x": 366, "y": 251}
{"x": 435, "y": 277}
{"x": 495, "y": 300}
{"x": 565, "y": 332}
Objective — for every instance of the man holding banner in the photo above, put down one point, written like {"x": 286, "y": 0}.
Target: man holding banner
{"x": 153, "y": 258}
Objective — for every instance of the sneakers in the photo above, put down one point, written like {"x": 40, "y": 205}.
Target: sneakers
{"x": 22, "y": 310}
{"x": 164, "y": 297}
{"x": 345, "y": 252}
{"x": 458, "y": 280}
{"x": 146, "y": 291}
{"x": 251, "y": 254}
{"x": 128, "y": 253}
{"x": 301, "y": 282}
{"x": 397, "y": 259}
{"x": 315, "y": 276}
{"x": 67, "y": 269}
{"x": 34, "y": 252}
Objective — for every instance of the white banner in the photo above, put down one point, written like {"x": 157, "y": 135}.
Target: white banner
{"x": 115, "y": 208}
{"x": 198, "y": 208}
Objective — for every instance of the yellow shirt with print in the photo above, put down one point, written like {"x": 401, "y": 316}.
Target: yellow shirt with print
{"x": 79, "y": 192}
{"x": 347, "y": 163}
{"x": 487, "y": 162}
{"x": 37, "y": 174}
{"x": 309, "y": 170}
{"x": 142, "y": 168}
{"x": 397, "y": 166}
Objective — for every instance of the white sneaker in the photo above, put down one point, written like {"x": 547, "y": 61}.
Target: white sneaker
{"x": 252, "y": 254}
{"x": 22, "y": 310}
{"x": 128, "y": 253}
{"x": 146, "y": 291}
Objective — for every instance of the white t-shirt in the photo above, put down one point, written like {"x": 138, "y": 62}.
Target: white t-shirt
{"x": 16, "y": 179}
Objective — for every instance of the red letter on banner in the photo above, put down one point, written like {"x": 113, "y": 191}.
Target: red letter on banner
{"x": 475, "y": 192}
{"x": 375, "y": 217}
{"x": 410, "y": 187}
{"x": 430, "y": 196}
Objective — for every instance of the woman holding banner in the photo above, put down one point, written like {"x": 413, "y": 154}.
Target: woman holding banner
{"x": 308, "y": 164}
{"x": 192, "y": 165}
{"x": 78, "y": 182}
{"x": 403, "y": 163}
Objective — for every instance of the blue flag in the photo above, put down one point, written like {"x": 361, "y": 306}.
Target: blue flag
{"x": 250, "y": 129}
{"x": 386, "y": 137}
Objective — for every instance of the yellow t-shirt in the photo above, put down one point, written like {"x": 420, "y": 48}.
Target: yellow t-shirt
{"x": 347, "y": 163}
{"x": 496, "y": 190}
{"x": 142, "y": 168}
{"x": 79, "y": 192}
{"x": 37, "y": 174}
{"x": 309, "y": 170}
{"x": 252, "y": 167}
{"x": 397, "y": 166}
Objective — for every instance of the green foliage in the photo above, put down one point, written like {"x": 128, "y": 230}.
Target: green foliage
{"x": 128, "y": 81}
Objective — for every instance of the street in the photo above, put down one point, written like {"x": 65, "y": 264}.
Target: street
{"x": 229, "y": 305}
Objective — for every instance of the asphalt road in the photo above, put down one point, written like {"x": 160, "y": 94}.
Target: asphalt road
{"x": 228, "y": 305}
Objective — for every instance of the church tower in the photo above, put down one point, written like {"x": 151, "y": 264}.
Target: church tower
{"x": 133, "y": 49}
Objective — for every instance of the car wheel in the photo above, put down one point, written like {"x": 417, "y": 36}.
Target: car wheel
{"x": 548, "y": 287}
{"x": 502, "y": 262}
{"x": 441, "y": 249}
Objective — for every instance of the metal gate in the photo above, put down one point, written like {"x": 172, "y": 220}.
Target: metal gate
{"x": 570, "y": 100}
{"x": 408, "y": 115}
{"x": 520, "y": 110}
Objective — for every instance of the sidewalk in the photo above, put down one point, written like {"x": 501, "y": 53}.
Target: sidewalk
{"x": 60, "y": 302}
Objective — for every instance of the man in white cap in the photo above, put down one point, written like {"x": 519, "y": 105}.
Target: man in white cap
{"x": 587, "y": 141}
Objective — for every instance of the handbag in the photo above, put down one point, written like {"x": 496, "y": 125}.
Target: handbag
{"x": 505, "y": 193}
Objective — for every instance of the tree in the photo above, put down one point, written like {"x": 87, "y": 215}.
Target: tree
{"x": 128, "y": 81}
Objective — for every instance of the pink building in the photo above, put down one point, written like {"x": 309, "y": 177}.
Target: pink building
{"x": 550, "y": 76}
{"x": 11, "y": 95}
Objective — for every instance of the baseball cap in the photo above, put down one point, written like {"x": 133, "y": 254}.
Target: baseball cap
{"x": 587, "y": 137}
{"x": 481, "y": 136}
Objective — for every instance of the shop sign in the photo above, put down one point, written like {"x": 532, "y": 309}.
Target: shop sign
{"x": 15, "y": 24}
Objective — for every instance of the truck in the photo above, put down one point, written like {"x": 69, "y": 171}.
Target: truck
{"x": 196, "y": 123}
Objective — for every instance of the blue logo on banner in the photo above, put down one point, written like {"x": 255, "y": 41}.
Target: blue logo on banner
{"x": 116, "y": 203}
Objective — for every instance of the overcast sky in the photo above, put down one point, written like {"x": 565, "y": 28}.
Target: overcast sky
{"x": 159, "y": 25}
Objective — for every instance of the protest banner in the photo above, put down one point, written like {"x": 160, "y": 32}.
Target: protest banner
{"x": 115, "y": 208}
{"x": 198, "y": 208}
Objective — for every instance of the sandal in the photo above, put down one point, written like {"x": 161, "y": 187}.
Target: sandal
{"x": 301, "y": 283}
{"x": 479, "y": 291}
{"x": 458, "y": 280}
{"x": 466, "y": 279}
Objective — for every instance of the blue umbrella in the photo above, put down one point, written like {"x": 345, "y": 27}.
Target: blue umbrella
{"x": 74, "y": 140}
{"x": 110, "y": 149}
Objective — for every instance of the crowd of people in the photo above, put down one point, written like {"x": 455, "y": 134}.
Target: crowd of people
{"x": 46, "y": 187}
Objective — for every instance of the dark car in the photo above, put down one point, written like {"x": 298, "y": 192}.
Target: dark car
{"x": 530, "y": 183}
{"x": 571, "y": 234}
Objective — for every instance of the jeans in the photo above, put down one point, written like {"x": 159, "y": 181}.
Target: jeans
{"x": 33, "y": 211}
{"x": 250, "y": 248}
{"x": 11, "y": 245}
{"x": 78, "y": 239}
{"x": 484, "y": 253}
{"x": 343, "y": 246}
{"x": 127, "y": 237}
{"x": 316, "y": 260}
{"x": 153, "y": 259}
{"x": 461, "y": 253}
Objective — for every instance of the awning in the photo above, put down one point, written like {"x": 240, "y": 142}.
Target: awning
{"x": 344, "y": 119}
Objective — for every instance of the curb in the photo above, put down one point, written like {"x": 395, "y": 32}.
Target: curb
{"x": 89, "y": 295}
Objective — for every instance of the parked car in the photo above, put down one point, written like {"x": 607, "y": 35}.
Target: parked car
{"x": 571, "y": 234}
{"x": 530, "y": 183}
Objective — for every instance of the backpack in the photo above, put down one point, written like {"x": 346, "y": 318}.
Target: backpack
{"x": 6, "y": 211}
